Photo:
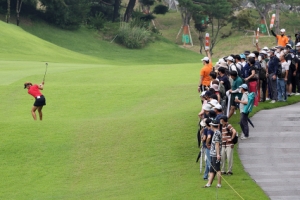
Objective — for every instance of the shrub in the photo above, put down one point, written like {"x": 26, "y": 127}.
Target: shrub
{"x": 133, "y": 37}
{"x": 96, "y": 22}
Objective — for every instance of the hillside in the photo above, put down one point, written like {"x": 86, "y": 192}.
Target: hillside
{"x": 17, "y": 44}
{"x": 89, "y": 42}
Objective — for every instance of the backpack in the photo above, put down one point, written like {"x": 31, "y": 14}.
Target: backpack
{"x": 222, "y": 90}
{"x": 262, "y": 74}
{"x": 248, "y": 108}
{"x": 279, "y": 71}
{"x": 236, "y": 137}
{"x": 239, "y": 72}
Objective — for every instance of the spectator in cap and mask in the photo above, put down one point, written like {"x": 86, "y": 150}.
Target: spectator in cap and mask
{"x": 244, "y": 116}
{"x": 282, "y": 39}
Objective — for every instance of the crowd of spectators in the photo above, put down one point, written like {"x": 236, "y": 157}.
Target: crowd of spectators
{"x": 272, "y": 74}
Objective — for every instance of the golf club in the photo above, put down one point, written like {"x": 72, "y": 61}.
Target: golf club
{"x": 45, "y": 72}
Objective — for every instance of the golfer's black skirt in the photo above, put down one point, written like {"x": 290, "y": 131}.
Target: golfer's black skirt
{"x": 40, "y": 101}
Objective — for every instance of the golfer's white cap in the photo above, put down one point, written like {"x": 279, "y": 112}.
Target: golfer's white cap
{"x": 205, "y": 59}
{"x": 252, "y": 55}
{"x": 282, "y": 30}
{"x": 298, "y": 44}
{"x": 230, "y": 58}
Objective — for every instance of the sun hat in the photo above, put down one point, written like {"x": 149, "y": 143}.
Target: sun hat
{"x": 265, "y": 48}
{"x": 244, "y": 86}
{"x": 230, "y": 58}
{"x": 242, "y": 56}
{"x": 206, "y": 107}
{"x": 282, "y": 30}
{"x": 202, "y": 123}
{"x": 205, "y": 59}
{"x": 218, "y": 107}
{"x": 263, "y": 52}
{"x": 213, "y": 102}
{"x": 252, "y": 55}
{"x": 215, "y": 87}
{"x": 222, "y": 63}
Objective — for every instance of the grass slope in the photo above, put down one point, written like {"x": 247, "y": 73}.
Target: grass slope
{"x": 18, "y": 45}
{"x": 109, "y": 132}
{"x": 89, "y": 42}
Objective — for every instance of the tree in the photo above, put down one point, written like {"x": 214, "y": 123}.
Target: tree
{"x": 67, "y": 14}
{"x": 263, "y": 7}
{"x": 218, "y": 13}
{"x": 188, "y": 8}
{"x": 18, "y": 10}
{"x": 8, "y": 11}
{"x": 116, "y": 10}
{"x": 129, "y": 10}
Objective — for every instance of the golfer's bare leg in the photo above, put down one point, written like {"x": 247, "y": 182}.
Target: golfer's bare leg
{"x": 40, "y": 112}
{"x": 33, "y": 112}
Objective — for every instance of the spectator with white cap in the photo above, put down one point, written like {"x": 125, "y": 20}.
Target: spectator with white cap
{"x": 219, "y": 111}
{"x": 244, "y": 116}
{"x": 230, "y": 62}
{"x": 205, "y": 98}
{"x": 204, "y": 72}
{"x": 220, "y": 63}
{"x": 282, "y": 39}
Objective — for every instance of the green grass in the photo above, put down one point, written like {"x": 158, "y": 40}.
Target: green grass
{"x": 109, "y": 131}
{"x": 89, "y": 42}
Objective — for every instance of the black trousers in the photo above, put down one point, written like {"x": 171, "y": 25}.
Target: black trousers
{"x": 244, "y": 124}
{"x": 264, "y": 88}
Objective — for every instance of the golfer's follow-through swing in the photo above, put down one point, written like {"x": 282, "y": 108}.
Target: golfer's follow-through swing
{"x": 40, "y": 100}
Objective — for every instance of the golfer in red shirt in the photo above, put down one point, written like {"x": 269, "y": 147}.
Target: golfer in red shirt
{"x": 40, "y": 101}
